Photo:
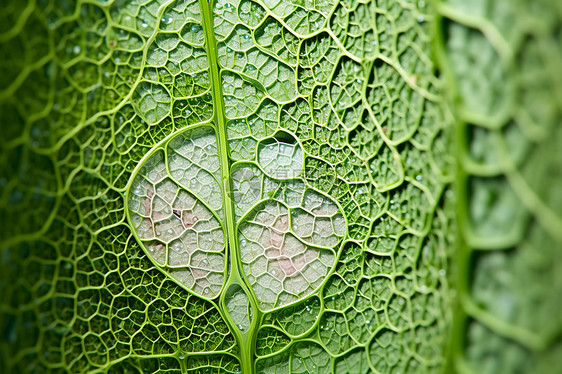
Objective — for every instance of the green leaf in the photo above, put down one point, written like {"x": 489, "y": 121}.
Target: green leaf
{"x": 274, "y": 186}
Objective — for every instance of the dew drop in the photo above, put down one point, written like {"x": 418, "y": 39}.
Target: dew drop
{"x": 194, "y": 28}
{"x": 418, "y": 177}
{"x": 228, "y": 5}
{"x": 144, "y": 24}
{"x": 76, "y": 49}
{"x": 420, "y": 19}
{"x": 167, "y": 20}
{"x": 240, "y": 327}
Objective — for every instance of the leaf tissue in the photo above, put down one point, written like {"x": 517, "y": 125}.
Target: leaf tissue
{"x": 276, "y": 186}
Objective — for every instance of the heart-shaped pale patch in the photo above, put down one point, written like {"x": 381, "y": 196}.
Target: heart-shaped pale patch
{"x": 287, "y": 232}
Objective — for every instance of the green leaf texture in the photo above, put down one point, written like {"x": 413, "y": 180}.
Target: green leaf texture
{"x": 503, "y": 59}
{"x": 274, "y": 186}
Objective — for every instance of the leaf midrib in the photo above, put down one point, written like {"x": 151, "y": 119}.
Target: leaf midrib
{"x": 247, "y": 339}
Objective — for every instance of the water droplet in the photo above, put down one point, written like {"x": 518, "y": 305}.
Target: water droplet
{"x": 144, "y": 24}
{"x": 194, "y": 28}
{"x": 170, "y": 231}
{"x": 424, "y": 288}
{"x": 243, "y": 242}
{"x": 228, "y": 50}
{"x": 195, "y": 219}
{"x": 442, "y": 272}
{"x": 420, "y": 19}
{"x": 158, "y": 233}
{"x": 273, "y": 272}
{"x": 368, "y": 322}
{"x": 240, "y": 327}
{"x": 76, "y": 49}
{"x": 205, "y": 261}
{"x": 187, "y": 112}
{"x": 167, "y": 20}
{"x": 418, "y": 177}
{"x": 181, "y": 356}
{"x": 246, "y": 36}
{"x": 206, "y": 291}
{"x": 228, "y": 5}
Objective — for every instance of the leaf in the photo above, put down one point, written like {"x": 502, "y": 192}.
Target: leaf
{"x": 280, "y": 186}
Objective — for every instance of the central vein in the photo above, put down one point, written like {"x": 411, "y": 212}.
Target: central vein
{"x": 245, "y": 339}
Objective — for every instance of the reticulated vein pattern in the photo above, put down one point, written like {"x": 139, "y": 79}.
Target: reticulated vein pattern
{"x": 126, "y": 217}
